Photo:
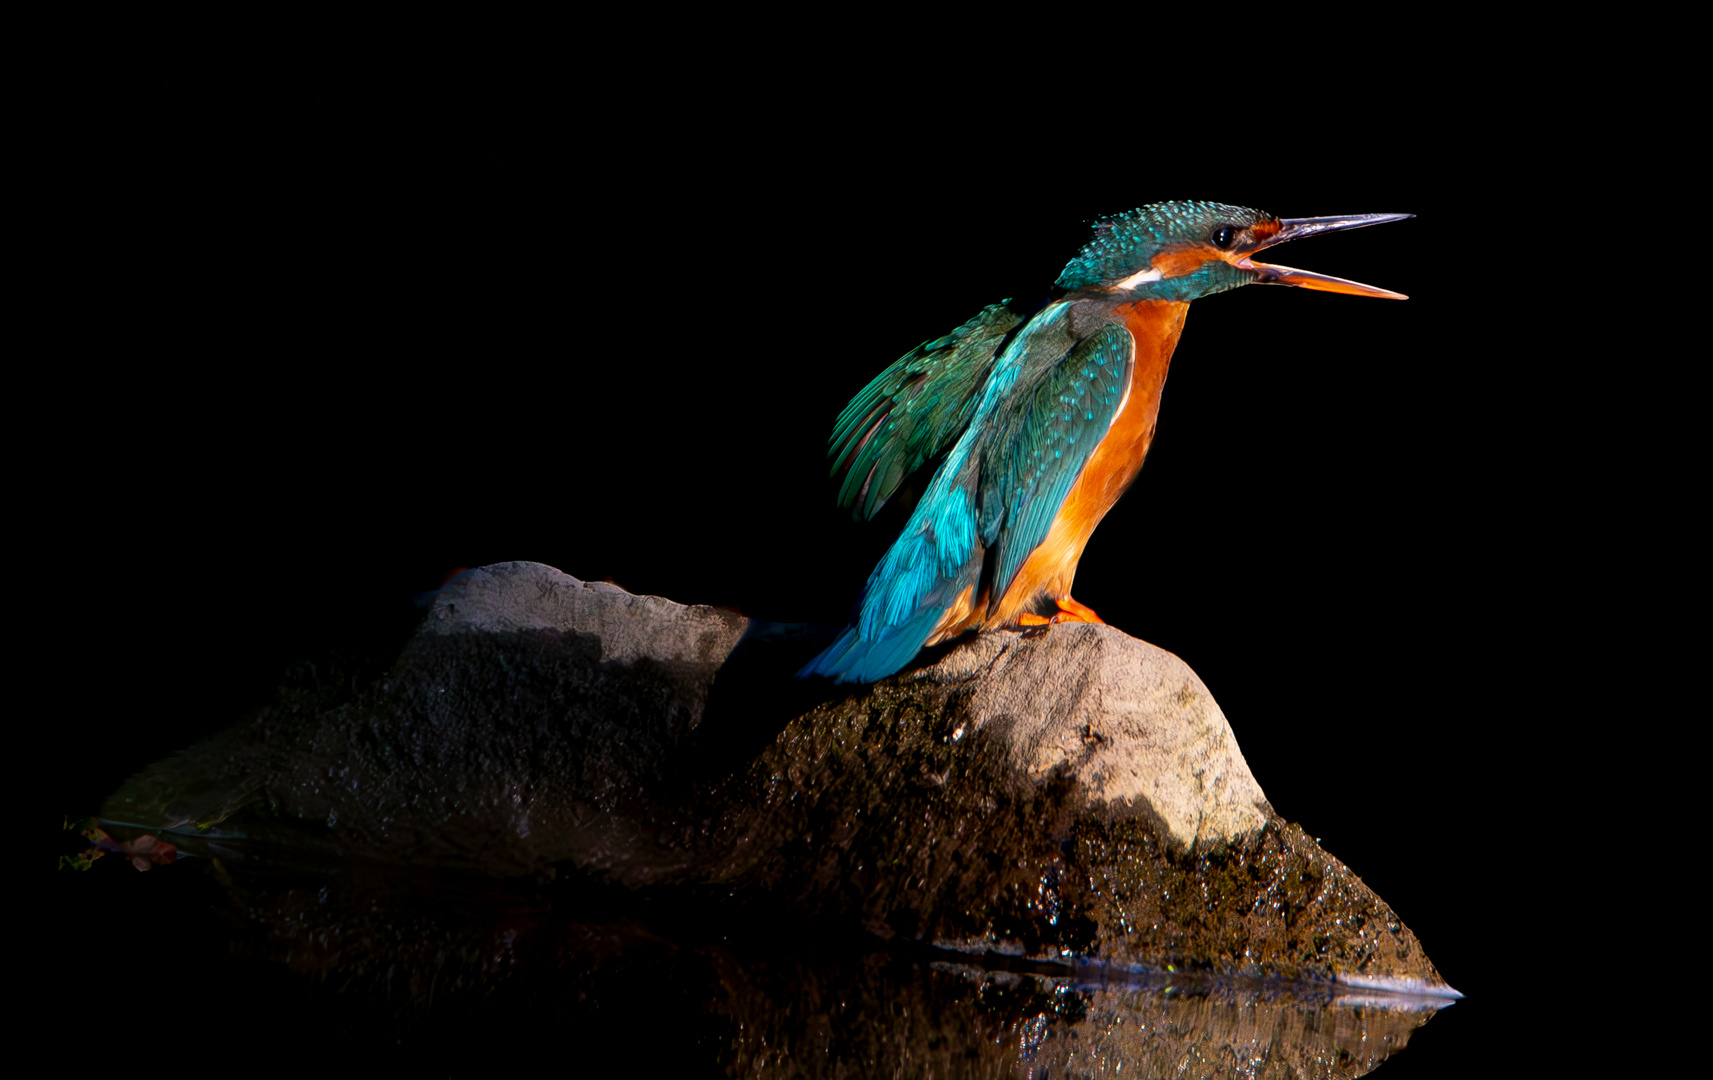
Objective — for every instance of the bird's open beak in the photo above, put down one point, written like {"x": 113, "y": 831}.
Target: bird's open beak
{"x": 1295, "y": 228}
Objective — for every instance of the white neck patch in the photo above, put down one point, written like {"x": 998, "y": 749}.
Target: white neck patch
{"x": 1141, "y": 277}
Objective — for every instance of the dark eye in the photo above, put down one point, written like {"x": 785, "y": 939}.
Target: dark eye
{"x": 1224, "y": 237}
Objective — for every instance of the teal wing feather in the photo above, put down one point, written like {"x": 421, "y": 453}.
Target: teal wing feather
{"x": 915, "y": 410}
{"x": 1038, "y": 454}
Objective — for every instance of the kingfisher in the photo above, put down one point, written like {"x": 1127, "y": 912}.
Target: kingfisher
{"x": 1039, "y": 417}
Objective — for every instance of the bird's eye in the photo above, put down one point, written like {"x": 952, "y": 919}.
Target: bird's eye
{"x": 1224, "y": 237}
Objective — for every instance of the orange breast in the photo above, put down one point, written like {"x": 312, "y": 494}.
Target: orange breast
{"x": 1050, "y": 569}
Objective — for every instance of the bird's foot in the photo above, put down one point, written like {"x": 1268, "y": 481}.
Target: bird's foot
{"x": 1069, "y": 611}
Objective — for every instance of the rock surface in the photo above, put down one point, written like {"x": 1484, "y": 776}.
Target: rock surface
{"x": 1073, "y": 796}
{"x": 526, "y": 596}
{"x": 1131, "y": 722}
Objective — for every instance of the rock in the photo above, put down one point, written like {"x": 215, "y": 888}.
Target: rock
{"x": 1131, "y": 722}
{"x": 1073, "y": 796}
{"x": 525, "y": 596}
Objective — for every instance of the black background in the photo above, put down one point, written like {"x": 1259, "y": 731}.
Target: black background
{"x": 333, "y": 337}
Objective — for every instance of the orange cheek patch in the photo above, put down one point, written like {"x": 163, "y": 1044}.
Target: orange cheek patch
{"x": 1180, "y": 259}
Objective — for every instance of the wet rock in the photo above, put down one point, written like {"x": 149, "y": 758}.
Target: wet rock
{"x": 1070, "y": 796}
{"x": 867, "y": 809}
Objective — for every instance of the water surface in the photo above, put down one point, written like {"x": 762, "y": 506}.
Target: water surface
{"x": 361, "y": 957}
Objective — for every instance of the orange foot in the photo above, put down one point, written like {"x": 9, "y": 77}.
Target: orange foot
{"x": 1069, "y": 611}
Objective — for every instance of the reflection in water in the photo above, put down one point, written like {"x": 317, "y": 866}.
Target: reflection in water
{"x": 944, "y": 1019}
{"x": 690, "y": 983}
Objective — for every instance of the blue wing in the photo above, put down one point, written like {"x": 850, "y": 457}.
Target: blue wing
{"x": 1050, "y": 437}
{"x": 1042, "y": 413}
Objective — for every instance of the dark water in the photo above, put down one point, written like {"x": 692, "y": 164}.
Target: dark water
{"x": 289, "y": 958}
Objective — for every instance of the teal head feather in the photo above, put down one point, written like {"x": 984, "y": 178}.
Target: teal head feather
{"x": 1169, "y": 251}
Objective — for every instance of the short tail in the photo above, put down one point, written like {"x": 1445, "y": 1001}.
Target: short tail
{"x": 935, "y": 560}
{"x": 851, "y": 659}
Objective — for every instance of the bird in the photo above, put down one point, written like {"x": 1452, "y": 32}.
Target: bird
{"x": 1036, "y": 418}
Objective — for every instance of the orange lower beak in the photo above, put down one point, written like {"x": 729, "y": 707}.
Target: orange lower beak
{"x": 1308, "y": 279}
